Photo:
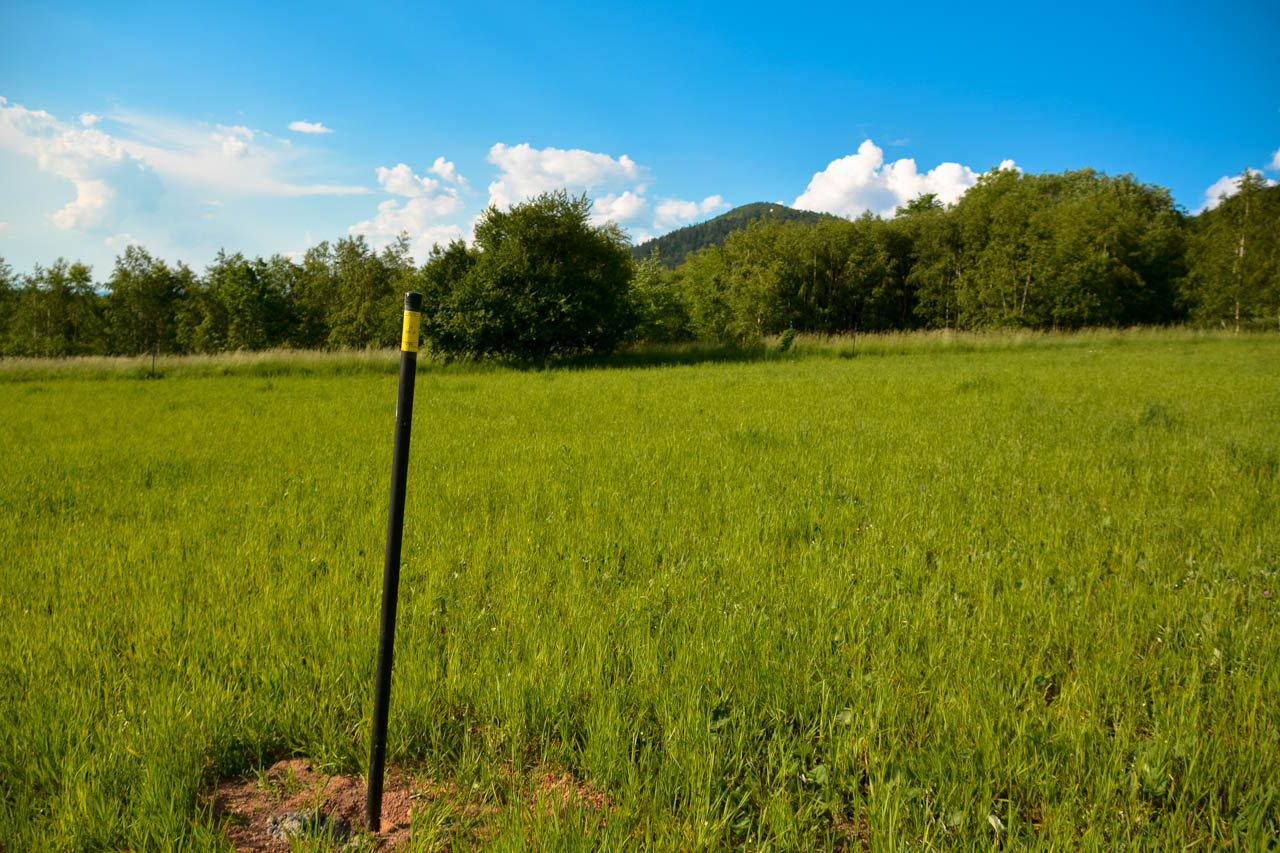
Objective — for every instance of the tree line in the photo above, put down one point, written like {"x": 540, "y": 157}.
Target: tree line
{"x": 1035, "y": 251}
{"x": 1048, "y": 251}
{"x": 336, "y": 295}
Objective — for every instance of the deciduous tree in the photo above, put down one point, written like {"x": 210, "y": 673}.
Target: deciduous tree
{"x": 542, "y": 281}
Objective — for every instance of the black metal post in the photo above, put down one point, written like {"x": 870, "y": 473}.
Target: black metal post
{"x": 391, "y": 565}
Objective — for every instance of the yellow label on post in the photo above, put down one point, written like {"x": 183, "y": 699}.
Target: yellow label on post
{"x": 409, "y": 338}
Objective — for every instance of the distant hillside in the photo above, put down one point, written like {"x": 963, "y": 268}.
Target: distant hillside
{"x": 675, "y": 246}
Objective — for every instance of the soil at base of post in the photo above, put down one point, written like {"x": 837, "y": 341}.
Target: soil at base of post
{"x": 248, "y": 804}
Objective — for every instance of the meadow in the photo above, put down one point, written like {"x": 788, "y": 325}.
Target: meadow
{"x": 952, "y": 592}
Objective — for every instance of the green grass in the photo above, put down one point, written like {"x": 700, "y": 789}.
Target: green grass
{"x": 804, "y": 601}
{"x": 285, "y": 362}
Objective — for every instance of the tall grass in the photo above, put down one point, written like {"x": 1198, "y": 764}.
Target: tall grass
{"x": 954, "y": 341}
{"x": 258, "y": 363}
{"x": 1024, "y": 596}
{"x": 280, "y": 362}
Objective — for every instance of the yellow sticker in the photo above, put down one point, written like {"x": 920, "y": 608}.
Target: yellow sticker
{"x": 409, "y": 338}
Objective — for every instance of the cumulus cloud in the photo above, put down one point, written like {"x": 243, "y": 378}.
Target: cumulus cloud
{"x": 673, "y": 212}
{"x": 3, "y": 225}
{"x": 445, "y": 169}
{"x": 422, "y": 204}
{"x": 401, "y": 180}
{"x": 527, "y": 172}
{"x": 625, "y": 208}
{"x": 90, "y": 208}
{"x": 617, "y": 186}
{"x": 110, "y": 182}
{"x": 1227, "y": 186}
{"x": 308, "y": 127}
{"x": 1275, "y": 161}
{"x": 1224, "y": 187}
{"x": 864, "y": 182}
{"x": 89, "y": 119}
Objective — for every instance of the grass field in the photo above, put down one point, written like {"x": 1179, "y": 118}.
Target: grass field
{"x": 1019, "y": 593}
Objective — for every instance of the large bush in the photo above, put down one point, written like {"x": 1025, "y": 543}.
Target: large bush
{"x": 540, "y": 282}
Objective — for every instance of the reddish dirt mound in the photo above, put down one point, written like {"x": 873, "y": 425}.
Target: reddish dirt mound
{"x": 247, "y": 805}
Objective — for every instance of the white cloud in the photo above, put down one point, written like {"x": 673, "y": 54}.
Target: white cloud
{"x": 617, "y": 186}
{"x": 863, "y": 182}
{"x": 234, "y": 141}
{"x": 110, "y": 182}
{"x": 3, "y": 225}
{"x": 626, "y": 208}
{"x": 1225, "y": 187}
{"x": 528, "y": 172}
{"x": 89, "y": 210}
{"x": 308, "y": 127}
{"x": 427, "y": 202}
{"x": 402, "y": 181}
{"x": 1222, "y": 188}
{"x": 1275, "y": 161}
{"x": 89, "y": 119}
{"x": 449, "y": 172}
{"x": 672, "y": 213}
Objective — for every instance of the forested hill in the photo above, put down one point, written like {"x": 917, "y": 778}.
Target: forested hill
{"x": 675, "y": 246}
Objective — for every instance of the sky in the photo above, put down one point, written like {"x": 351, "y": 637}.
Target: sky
{"x": 266, "y": 128}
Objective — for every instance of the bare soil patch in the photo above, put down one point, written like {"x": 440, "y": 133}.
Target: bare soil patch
{"x": 252, "y": 807}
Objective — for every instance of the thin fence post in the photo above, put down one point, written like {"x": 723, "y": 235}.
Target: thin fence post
{"x": 391, "y": 563}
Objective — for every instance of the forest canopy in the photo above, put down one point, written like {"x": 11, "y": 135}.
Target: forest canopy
{"x": 1042, "y": 251}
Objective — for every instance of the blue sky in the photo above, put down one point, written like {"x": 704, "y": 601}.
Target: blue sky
{"x": 268, "y": 130}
